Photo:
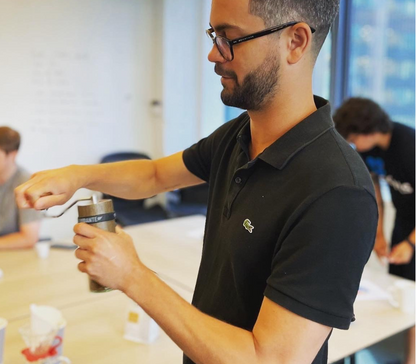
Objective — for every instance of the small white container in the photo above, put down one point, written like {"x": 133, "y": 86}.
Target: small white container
{"x": 140, "y": 327}
{"x": 3, "y": 324}
{"x": 403, "y": 296}
{"x": 42, "y": 249}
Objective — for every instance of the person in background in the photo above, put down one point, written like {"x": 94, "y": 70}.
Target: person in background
{"x": 19, "y": 228}
{"x": 284, "y": 244}
{"x": 388, "y": 149}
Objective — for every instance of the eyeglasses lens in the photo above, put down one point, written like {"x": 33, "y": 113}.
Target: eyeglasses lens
{"x": 224, "y": 48}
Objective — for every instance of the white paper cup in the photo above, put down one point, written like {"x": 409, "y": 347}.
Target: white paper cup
{"x": 61, "y": 334}
{"x": 403, "y": 296}
{"x": 38, "y": 343}
{"x": 44, "y": 318}
{"x": 3, "y": 324}
{"x": 42, "y": 248}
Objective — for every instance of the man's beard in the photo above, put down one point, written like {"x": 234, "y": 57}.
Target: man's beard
{"x": 257, "y": 88}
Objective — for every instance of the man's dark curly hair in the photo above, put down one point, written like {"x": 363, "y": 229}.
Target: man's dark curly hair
{"x": 361, "y": 116}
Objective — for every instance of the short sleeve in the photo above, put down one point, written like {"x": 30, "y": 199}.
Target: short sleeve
{"x": 318, "y": 263}
{"x": 198, "y": 158}
{"x": 27, "y": 216}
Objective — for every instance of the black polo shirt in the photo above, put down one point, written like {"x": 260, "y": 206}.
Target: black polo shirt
{"x": 297, "y": 224}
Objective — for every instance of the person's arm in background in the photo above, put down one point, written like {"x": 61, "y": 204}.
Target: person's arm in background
{"x": 130, "y": 180}
{"x": 380, "y": 246}
{"x": 403, "y": 252}
{"x": 25, "y": 238}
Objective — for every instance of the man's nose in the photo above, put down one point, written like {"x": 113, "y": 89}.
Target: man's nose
{"x": 215, "y": 56}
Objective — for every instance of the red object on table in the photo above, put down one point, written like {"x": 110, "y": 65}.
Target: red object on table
{"x": 50, "y": 353}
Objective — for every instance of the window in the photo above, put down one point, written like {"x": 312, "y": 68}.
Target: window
{"x": 322, "y": 71}
{"x": 382, "y": 55}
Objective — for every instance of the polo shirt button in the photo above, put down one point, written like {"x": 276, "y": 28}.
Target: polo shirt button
{"x": 237, "y": 180}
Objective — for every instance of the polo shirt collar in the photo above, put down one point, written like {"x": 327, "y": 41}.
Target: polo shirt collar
{"x": 288, "y": 145}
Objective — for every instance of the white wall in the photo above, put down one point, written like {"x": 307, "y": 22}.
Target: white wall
{"x": 76, "y": 80}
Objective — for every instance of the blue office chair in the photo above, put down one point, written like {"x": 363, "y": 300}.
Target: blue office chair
{"x": 132, "y": 212}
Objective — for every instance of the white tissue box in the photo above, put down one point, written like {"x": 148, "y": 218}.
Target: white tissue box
{"x": 140, "y": 327}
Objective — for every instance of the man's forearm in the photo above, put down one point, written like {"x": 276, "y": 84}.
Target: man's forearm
{"x": 16, "y": 241}
{"x": 380, "y": 205}
{"x": 202, "y": 338}
{"x": 137, "y": 179}
{"x": 129, "y": 179}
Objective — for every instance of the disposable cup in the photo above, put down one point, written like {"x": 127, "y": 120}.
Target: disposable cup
{"x": 42, "y": 249}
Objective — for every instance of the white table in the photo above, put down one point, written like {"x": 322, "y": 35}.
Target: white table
{"x": 95, "y": 327}
{"x": 180, "y": 243}
{"x": 172, "y": 248}
{"x": 375, "y": 321}
{"x": 27, "y": 279}
{"x": 94, "y": 335}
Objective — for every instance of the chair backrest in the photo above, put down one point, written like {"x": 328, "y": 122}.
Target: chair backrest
{"x": 123, "y": 156}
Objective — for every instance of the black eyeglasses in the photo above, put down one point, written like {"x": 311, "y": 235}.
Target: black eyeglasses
{"x": 225, "y": 45}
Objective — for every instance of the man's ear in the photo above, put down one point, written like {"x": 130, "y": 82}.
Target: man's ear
{"x": 299, "y": 42}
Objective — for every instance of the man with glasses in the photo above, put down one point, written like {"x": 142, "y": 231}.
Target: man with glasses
{"x": 284, "y": 245}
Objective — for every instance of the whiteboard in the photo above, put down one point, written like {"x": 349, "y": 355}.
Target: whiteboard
{"x": 74, "y": 78}
{"x": 76, "y": 82}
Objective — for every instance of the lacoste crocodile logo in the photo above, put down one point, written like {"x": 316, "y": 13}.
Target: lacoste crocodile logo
{"x": 247, "y": 225}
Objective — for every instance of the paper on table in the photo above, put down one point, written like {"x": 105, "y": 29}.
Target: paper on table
{"x": 43, "y": 319}
{"x": 369, "y": 291}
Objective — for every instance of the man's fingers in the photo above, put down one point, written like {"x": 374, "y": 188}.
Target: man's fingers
{"x": 47, "y": 201}
{"x": 83, "y": 242}
{"x": 28, "y": 197}
{"x": 43, "y": 190}
{"x": 396, "y": 256}
{"x": 381, "y": 253}
{"x": 82, "y": 254}
{"x": 23, "y": 201}
{"x": 86, "y": 230}
{"x": 41, "y": 195}
{"x": 394, "y": 260}
{"x": 120, "y": 231}
{"x": 82, "y": 267}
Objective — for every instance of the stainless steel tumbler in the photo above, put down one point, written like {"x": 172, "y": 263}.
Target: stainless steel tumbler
{"x": 100, "y": 214}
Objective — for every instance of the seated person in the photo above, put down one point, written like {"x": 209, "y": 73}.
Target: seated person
{"x": 388, "y": 149}
{"x": 18, "y": 228}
